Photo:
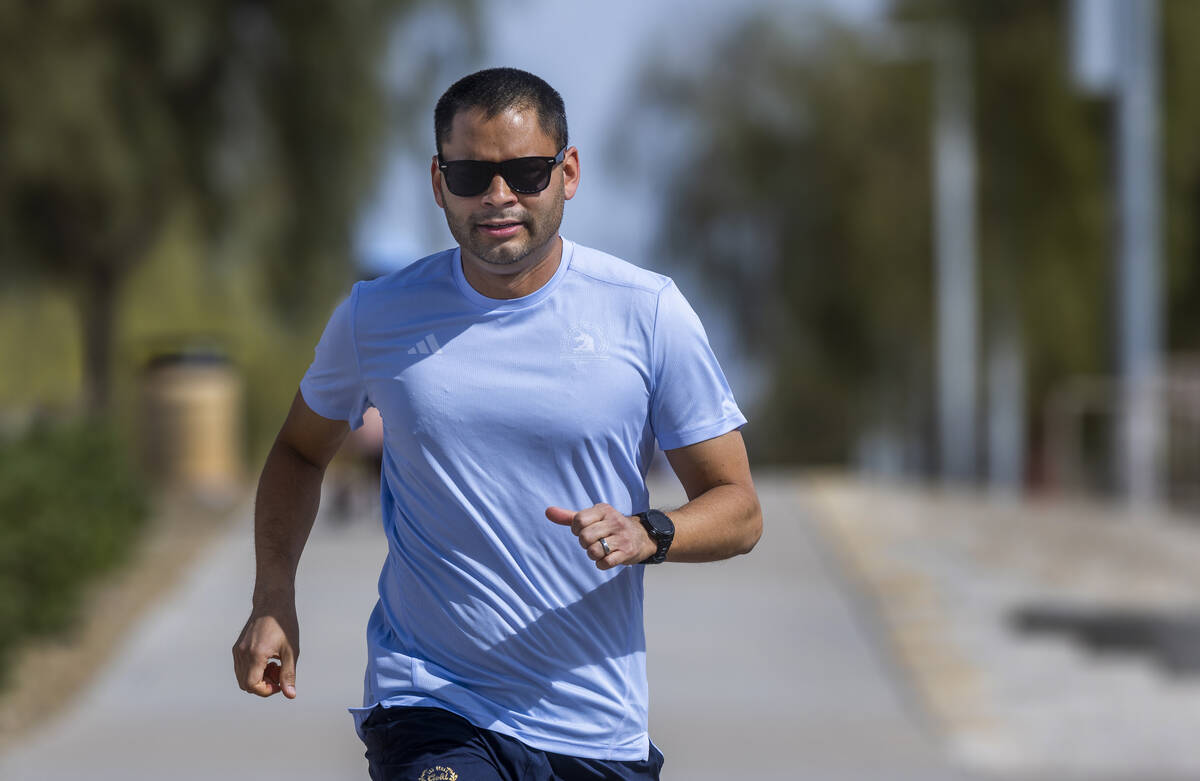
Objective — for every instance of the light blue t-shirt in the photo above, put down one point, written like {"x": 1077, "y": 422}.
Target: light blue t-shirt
{"x": 493, "y": 410}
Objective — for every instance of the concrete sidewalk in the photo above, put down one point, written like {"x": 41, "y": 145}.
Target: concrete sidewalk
{"x": 766, "y": 667}
{"x": 1047, "y": 639}
{"x": 761, "y": 667}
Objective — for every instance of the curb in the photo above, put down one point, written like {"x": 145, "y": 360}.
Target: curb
{"x": 916, "y": 628}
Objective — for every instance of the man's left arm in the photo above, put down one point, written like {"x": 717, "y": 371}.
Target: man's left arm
{"x": 721, "y": 519}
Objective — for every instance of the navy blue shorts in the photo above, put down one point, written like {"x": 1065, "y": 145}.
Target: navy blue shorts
{"x": 431, "y": 744}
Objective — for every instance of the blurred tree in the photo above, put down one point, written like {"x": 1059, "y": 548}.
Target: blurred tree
{"x": 806, "y": 203}
{"x": 1043, "y": 188}
{"x": 1181, "y": 174}
{"x": 262, "y": 119}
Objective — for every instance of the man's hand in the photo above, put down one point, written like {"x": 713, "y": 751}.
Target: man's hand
{"x": 264, "y": 656}
{"x": 626, "y": 538}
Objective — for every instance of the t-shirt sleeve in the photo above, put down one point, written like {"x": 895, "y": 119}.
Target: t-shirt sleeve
{"x": 333, "y": 387}
{"x": 691, "y": 400}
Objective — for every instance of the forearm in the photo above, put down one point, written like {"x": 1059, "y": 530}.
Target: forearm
{"x": 285, "y": 507}
{"x": 722, "y": 522}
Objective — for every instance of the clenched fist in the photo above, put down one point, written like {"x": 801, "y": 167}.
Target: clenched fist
{"x": 609, "y": 537}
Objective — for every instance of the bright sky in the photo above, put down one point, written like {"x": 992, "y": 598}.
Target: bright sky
{"x": 592, "y": 53}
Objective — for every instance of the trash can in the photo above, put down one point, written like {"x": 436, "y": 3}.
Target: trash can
{"x": 192, "y": 424}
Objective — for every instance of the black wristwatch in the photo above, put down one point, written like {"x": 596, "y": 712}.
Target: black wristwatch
{"x": 661, "y": 531}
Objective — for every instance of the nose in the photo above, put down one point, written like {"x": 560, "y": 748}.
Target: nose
{"x": 498, "y": 193}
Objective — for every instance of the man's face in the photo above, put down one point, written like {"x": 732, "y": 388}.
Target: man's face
{"x": 502, "y": 231}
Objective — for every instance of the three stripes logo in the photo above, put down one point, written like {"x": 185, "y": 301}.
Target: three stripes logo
{"x": 427, "y": 346}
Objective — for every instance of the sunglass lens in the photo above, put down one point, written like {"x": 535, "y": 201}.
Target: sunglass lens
{"x": 468, "y": 177}
{"x": 526, "y": 174}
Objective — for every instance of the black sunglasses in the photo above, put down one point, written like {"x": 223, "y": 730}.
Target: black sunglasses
{"x": 526, "y": 175}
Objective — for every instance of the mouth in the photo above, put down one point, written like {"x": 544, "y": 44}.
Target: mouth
{"x": 500, "y": 229}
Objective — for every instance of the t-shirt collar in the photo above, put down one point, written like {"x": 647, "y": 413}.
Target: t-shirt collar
{"x": 508, "y": 304}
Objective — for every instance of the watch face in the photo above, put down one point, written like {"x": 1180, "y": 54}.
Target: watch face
{"x": 660, "y": 524}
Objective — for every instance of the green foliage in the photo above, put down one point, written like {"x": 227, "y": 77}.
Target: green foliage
{"x": 70, "y": 508}
{"x": 264, "y": 120}
{"x": 39, "y": 349}
{"x": 1181, "y": 172}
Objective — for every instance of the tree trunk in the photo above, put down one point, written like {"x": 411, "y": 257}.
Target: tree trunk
{"x": 97, "y": 319}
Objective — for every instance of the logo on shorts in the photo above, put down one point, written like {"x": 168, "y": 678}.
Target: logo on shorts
{"x": 438, "y": 773}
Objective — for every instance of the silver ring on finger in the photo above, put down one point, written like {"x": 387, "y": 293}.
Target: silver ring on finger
{"x": 604, "y": 545}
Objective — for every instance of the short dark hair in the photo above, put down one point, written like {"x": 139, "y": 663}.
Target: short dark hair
{"x": 496, "y": 90}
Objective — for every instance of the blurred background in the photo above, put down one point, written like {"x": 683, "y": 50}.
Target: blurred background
{"x": 948, "y": 252}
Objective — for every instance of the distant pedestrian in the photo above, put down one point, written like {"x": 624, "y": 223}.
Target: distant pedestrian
{"x": 520, "y": 377}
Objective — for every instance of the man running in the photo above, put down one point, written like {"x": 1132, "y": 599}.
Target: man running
{"x": 523, "y": 381}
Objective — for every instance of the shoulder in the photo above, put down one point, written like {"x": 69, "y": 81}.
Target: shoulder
{"x": 431, "y": 269}
{"x": 385, "y": 298}
{"x": 600, "y": 268}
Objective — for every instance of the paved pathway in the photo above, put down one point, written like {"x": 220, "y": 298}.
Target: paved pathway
{"x": 1049, "y": 639}
{"x": 761, "y": 668}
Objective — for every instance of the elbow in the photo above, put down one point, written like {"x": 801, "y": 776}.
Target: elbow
{"x": 753, "y": 528}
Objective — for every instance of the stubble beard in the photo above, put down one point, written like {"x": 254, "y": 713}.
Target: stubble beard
{"x": 507, "y": 254}
{"x": 539, "y": 230}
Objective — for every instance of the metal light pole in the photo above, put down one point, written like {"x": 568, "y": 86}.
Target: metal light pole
{"x": 1116, "y": 52}
{"x": 956, "y": 293}
{"x": 954, "y": 224}
{"x": 1140, "y": 251}
{"x": 1005, "y": 361}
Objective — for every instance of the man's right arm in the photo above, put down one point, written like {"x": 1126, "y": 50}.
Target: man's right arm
{"x": 289, "y": 491}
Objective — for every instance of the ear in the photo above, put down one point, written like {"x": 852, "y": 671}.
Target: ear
{"x": 436, "y": 177}
{"x": 570, "y": 168}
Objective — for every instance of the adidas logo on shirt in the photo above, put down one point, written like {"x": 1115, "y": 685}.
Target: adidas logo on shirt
{"x": 426, "y": 346}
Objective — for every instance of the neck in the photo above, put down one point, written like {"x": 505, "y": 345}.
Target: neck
{"x": 534, "y": 272}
